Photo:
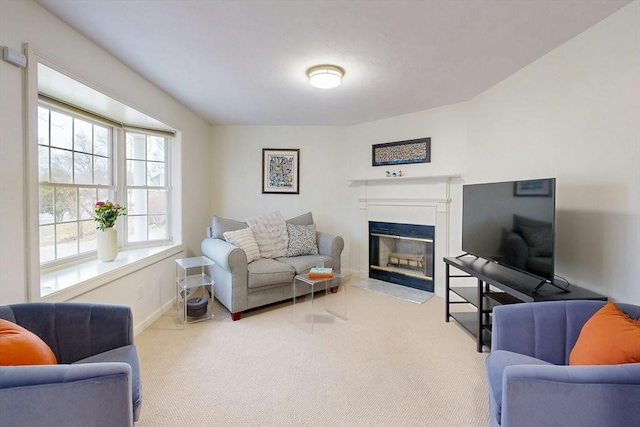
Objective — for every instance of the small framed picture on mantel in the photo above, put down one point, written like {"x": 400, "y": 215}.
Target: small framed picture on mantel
{"x": 280, "y": 171}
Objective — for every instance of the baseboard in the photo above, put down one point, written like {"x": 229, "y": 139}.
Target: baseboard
{"x": 139, "y": 327}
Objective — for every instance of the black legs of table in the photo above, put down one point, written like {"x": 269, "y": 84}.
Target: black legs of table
{"x": 480, "y": 316}
{"x": 446, "y": 293}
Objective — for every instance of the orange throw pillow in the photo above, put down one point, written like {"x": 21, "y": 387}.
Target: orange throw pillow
{"x": 609, "y": 337}
{"x": 18, "y": 346}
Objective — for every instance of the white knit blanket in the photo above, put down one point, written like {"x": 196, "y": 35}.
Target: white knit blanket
{"x": 270, "y": 232}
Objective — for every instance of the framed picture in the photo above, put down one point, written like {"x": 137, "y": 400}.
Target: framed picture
{"x": 532, "y": 188}
{"x": 280, "y": 171}
{"x": 401, "y": 152}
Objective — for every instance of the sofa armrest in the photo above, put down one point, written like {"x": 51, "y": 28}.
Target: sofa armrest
{"x": 224, "y": 254}
{"x": 76, "y": 331}
{"x": 230, "y": 273}
{"x": 604, "y": 395}
{"x": 331, "y": 245}
{"x": 66, "y": 395}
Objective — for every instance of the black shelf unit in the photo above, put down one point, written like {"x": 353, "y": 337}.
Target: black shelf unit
{"x": 513, "y": 287}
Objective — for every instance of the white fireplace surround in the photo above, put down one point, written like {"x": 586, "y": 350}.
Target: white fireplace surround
{"x": 417, "y": 200}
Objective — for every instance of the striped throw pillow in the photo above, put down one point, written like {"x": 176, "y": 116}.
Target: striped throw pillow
{"x": 244, "y": 240}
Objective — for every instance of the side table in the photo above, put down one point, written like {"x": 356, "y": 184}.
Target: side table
{"x": 335, "y": 300}
{"x": 194, "y": 279}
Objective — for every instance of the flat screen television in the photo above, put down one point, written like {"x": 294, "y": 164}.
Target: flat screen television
{"x": 513, "y": 224}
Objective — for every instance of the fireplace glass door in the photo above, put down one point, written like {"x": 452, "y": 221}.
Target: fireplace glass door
{"x": 402, "y": 254}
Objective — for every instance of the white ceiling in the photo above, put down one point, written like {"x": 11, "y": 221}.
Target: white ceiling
{"x": 244, "y": 62}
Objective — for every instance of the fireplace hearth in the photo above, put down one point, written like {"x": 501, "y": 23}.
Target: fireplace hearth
{"x": 402, "y": 254}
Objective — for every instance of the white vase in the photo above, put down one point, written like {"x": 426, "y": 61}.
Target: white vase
{"x": 107, "y": 244}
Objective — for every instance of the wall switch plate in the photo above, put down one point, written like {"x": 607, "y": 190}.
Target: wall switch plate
{"x": 14, "y": 57}
{"x": 140, "y": 292}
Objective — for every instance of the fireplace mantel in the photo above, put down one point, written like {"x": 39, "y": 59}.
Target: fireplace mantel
{"x": 419, "y": 200}
{"x": 403, "y": 178}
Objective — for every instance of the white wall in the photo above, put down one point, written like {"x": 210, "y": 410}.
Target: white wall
{"x": 27, "y": 22}
{"x": 236, "y": 174}
{"x": 573, "y": 114}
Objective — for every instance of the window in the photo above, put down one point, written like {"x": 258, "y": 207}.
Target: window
{"x": 78, "y": 164}
{"x": 75, "y": 170}
{"x": 147, "y": 187}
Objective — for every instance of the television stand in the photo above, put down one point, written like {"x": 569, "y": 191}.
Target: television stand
{"x": 496, "y": 285}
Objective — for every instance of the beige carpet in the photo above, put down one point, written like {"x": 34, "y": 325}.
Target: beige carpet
{"x": 392, "y": 363}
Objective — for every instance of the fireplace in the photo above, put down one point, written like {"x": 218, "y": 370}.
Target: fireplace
{"x": 402, "y": 254}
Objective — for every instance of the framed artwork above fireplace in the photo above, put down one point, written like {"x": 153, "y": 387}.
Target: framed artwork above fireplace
{"x": 401, "y": 152}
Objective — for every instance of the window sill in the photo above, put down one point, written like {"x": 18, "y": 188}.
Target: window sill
{"x": 69, "y": 282}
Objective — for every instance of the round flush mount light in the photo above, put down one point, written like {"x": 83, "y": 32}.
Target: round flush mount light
{"x": 325, "y": 76}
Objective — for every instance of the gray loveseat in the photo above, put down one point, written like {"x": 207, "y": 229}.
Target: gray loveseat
{"x": 241, "y": 286}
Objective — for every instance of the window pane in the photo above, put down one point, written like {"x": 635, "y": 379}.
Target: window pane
{"x": 66, "y": 239}
{"x": 158, "y": 227}
{"x": 157, "y": 202}
{"x": 101, "y": 171}
{"x": 43, "y": 164}
{"x": 87, "y": 236}
{"x": 155, "y": 148}
{"x": 136, "y": 172}
{"x": 82, "y": 136}
{"x": 136, "y": 146}
{"x": 137, "y": 228}
{"x": 47, "y": 240}
{"x": 82, "y": 168}
{"x": 137, "y": 202}
{"x": 103, "y": 195}
{"x": 61, "y": 164}
{"x": 87, "y": 201}
{"x": 66, "y": 205}
{"x": 101, "y": 141}
{"x": 45, "y": 214}
{"x": 43, "y": 126}
{"x": 155, "y": 173}
{"x": 61, "y": 128}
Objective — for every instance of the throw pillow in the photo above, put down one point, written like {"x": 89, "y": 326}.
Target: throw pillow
{"x": 302, "y": 240}
{"x": 244, "y": 240}
{"x": 609, "y": 337}
{"x": 19, "y": 346}
{"x": 539, "y": 240}
{"x": 270, "y": 232}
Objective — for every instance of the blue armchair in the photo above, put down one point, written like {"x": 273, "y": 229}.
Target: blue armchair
{"x": 531, "y": 382}
{"x": 97, "y": 379}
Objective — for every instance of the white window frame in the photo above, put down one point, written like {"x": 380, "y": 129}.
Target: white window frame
{"x": 83, "y": 276}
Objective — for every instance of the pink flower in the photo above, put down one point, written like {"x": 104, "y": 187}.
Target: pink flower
{"x": 99, "y": 203}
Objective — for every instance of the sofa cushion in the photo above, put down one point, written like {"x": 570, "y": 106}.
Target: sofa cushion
{"x": 220, "y": 225}
{"x": 270, "y": 232}
{"x": 265, "y": 272}
{"x": 19, "y": 346}
{"x": 244, "y": 240}
{"x": 302, "y": 240}
{"x": 302, "y": 264}
{"x": 127, "y": 354}
{"x": 496, "y": 362}
{"x": 609, "y": 337}
{"x": 304, "y": 219}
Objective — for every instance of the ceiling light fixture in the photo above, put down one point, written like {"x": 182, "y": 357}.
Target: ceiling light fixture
{"x": 325, "y": 76}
